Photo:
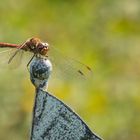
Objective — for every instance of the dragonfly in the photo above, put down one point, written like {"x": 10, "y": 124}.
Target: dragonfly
{"x": 42, "y": 49}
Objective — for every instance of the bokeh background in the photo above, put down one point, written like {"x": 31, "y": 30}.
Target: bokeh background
{"x": 103, "y": 34}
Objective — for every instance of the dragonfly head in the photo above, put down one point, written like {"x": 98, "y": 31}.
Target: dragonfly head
{"x": 43, "y": 48}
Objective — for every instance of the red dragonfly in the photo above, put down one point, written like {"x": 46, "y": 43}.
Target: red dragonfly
{"x": 41, "y": 49}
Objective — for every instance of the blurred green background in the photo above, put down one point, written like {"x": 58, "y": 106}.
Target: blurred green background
{"x": 105, "y": 35}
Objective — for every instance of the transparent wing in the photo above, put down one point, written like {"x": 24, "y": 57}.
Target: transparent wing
{"x": 20, "y": 57}
{"x": 68, "y": 67}
{"x": 4, "y": 57}
{"x": 16, "y": 60}
{"x": 6, "y": 54}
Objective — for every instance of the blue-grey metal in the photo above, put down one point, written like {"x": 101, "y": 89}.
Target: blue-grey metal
{"x": 40, "y": 70}
{"x": 52, "y": 119}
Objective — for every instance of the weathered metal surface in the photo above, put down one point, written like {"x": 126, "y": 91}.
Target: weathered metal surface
{"x": 52, "y": 119}
{"x": 40, "y": 70}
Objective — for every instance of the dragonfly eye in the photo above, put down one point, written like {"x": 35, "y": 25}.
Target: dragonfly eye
{"x": 45, "y": 45}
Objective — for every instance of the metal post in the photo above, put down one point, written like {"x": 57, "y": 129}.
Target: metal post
{"x": 52, "y": 119}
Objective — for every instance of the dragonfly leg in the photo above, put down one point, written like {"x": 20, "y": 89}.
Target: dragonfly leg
{"x": 18, "y": 49}
{"x": 30, "y": 61}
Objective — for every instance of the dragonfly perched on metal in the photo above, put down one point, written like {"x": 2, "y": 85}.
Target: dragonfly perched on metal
{"x": 41, "y": 49}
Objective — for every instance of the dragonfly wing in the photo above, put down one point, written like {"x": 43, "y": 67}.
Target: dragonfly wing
{"x": 4, "y": 56}
{"x": 14, "y": 54}
{"x": 16, "y": 61}
{"x": 68, "y": 66}
{"x": 15, "y": 58}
